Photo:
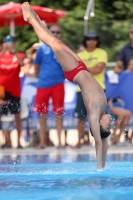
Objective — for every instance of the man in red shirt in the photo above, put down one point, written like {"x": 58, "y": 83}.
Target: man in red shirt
{"x": 10, "y": 63}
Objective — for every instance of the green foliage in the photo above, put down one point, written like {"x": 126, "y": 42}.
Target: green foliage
{"x": 112, "y": 21}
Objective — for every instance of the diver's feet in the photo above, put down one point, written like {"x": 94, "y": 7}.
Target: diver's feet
{"x": 29, "y": 13}
{"x": 26, "y": 9}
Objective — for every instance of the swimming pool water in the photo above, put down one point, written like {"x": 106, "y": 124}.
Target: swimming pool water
{"x": 66, "y": 177}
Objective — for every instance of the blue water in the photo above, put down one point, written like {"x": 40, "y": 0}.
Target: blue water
{"x": 65, "y": 177}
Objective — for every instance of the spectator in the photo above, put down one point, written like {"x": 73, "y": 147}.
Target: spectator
{"x": 122, "y": 115}
{"x": 50, "y": 84}
{"x": 29, "y": 76}
{"x": 95, "y": 59}
{"x": 80, "y": 48}
{"x": 28, "y": 69}
{"x": 130, "y": 69}
{"x": 11, "y": 61}
{"x": 7, "y": 126}
{"x": 115, "y": 103}
{"x": 127, "y": 52}
{"x": 130, "y": 65}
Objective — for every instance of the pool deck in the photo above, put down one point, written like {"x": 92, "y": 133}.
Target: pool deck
{"x": 68, "y": 150}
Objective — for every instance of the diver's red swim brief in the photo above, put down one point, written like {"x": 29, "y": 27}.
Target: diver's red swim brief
{"x": 71, "y": 74}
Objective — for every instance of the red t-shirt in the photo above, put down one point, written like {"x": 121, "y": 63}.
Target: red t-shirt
{"x": 9, "y": 73}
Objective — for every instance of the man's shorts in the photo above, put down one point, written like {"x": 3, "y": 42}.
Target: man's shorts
{"x": 12, "y": 105}
{"x": 71, "y": 74}
{"x": 43, "y": 95}
{"x": 80, "y": 110}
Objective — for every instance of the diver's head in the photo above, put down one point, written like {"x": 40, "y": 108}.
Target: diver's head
{"x": 105, "y": 122}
